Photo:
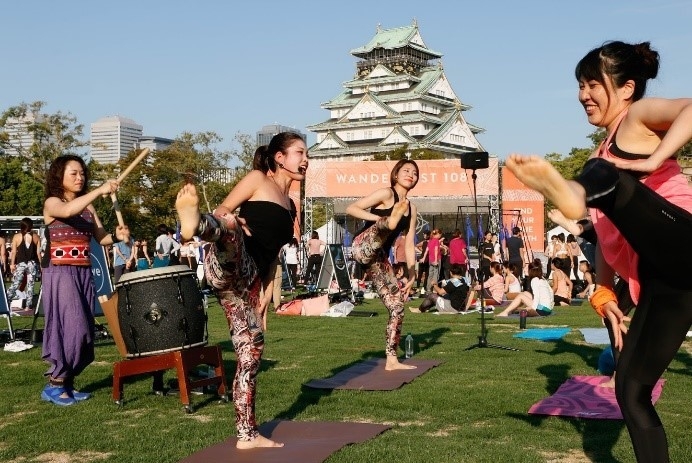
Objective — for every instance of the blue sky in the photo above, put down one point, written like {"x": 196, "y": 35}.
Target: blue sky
{"x": 231, "y": 67}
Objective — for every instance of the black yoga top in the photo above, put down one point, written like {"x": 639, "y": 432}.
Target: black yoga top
{"x": 26, "y": 253}
{"x": 271, "y": 226}
{"x": 403, "y": 224}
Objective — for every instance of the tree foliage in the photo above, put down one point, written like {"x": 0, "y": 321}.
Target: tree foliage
{"x": 53, "y": 135}
{"x": 147, "y": 196}
{"x": 20, "y": 193}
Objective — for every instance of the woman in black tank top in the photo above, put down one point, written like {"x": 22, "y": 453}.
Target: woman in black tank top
{"x": 387, "y": 213}
{"x": 24, "y": 261}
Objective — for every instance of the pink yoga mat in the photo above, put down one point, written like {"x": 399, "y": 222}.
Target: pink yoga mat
{"x": 583, "y": 397}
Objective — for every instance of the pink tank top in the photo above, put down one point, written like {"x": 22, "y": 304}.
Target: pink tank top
{"x": 669, "y": 182}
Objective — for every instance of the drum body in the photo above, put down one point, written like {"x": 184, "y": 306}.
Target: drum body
{"x": 161, "y": 310}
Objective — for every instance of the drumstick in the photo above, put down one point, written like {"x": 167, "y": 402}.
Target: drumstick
{"x": 133, "y": 164}
{"x": 116, "y": 207}
{"x": 120, "y": 178}
{"x": 128, "y": 169}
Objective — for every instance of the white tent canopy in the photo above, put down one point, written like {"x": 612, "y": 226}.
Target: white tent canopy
{"x": 331, "y": 232}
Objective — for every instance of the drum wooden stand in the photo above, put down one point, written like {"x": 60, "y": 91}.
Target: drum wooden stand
{"x": 183, "y": 361}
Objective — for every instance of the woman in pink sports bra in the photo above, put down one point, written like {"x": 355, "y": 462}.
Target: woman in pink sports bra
{"x": 636, "y": 192}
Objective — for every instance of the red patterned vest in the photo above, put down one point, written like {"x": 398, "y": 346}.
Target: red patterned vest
{"x": 69, "y": 239}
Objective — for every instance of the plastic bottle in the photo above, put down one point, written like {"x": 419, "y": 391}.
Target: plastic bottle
{"x": 478, "y": 303}
{"x": 522, "y": 319}
{"x": 408, "y": 343}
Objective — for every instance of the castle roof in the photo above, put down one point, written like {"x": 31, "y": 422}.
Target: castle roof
{"x": 398, "y": 37}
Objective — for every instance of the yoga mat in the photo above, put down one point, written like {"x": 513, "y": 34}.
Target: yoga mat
{"x": 543, "y": 334}
{"x": 583, "y": 397}
{"x": 305, "y": 442}
{"x": 595, "y": 335}
{"x": 370, "y": 375}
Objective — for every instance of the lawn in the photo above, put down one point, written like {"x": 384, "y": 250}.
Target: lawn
{"x": 471, "y": 408}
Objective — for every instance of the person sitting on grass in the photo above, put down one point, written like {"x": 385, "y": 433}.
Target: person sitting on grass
{"x": 512, "y": 283}
{"x": 538, "y": 302}
{"x": 493, "y": 287}
{"x": 589, "y": 280}
{"x": 562, "y": 285}
{"x": 451, "y": 295}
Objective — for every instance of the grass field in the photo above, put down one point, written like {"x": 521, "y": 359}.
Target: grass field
{"x": 471, "y": 408}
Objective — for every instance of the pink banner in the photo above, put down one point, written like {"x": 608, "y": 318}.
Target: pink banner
{"x": 518, "y": 200}
{"x": 439, "y": 177}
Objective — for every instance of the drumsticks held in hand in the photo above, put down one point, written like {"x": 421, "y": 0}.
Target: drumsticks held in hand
{"x": 120, "y": 179}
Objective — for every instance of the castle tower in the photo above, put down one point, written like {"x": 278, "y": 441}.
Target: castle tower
{"x": 399, "y": 95}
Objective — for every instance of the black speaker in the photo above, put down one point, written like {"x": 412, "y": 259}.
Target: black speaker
{"x": 475, "y": 160}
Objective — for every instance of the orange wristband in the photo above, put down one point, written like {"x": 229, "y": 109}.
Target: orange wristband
{"x": 600, "y": 297}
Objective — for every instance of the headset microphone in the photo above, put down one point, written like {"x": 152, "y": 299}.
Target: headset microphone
{"x": 301, "y": 170}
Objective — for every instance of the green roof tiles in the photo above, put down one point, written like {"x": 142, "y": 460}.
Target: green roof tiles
{"x": 398, "y": 37}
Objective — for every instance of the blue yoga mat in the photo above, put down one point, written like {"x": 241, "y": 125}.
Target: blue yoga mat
{"x": 543, "y": 334}
{"x": 595, "y": 335}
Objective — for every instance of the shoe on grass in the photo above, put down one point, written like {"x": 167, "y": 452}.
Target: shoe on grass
{"x": 53, "y": 393}
{"x": 79, "y": 396}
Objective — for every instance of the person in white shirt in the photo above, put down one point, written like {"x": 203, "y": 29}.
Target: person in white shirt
{"x": 538, "y": 302}
{"x": 291, "y": 258}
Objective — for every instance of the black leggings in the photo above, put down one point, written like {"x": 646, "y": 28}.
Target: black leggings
{"x": 664, "y": 311}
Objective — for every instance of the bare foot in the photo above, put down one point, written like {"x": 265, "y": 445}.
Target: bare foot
{"x": 394, "y": 364}
{"x": 257, "y": 442}
{"x": 187, "y": 206}
{"x": 398, "y": 212}
{"x": 538, "y": 174}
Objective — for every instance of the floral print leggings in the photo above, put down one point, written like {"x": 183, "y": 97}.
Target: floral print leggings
{"x": 29, "y": 269}
{"x": 233, "y": 275}
{"x": 367, "y": 251}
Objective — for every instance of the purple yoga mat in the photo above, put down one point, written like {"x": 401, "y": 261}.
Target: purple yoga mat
{"x": 370, "y": 375}
{"x": 583, "y": 397}
{"x": 305, "y": 442}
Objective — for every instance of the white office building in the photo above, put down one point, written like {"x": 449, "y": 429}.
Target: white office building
{"x": 19, "y": 137}
{"x": 113, "y": 137}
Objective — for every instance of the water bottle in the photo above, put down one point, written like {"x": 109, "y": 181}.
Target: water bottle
{"x": 478, "y": 303}
{"x": 522, "y": 319}
{"x": 409, "y": 346}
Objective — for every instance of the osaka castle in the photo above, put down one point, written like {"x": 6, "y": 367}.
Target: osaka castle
{"x": 399, "y": 96}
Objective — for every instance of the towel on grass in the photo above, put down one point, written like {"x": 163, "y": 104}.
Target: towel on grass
{"x": 595, "y": 335}
{"x": 543, "y": 334}
{"x": 584, "y": 397}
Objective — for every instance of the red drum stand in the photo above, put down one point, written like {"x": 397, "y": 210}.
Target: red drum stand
{"x": 184, "y": 361}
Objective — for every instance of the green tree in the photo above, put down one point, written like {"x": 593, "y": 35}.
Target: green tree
{"x": 20, "y": 193}
{"x": 53, "y": 135}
